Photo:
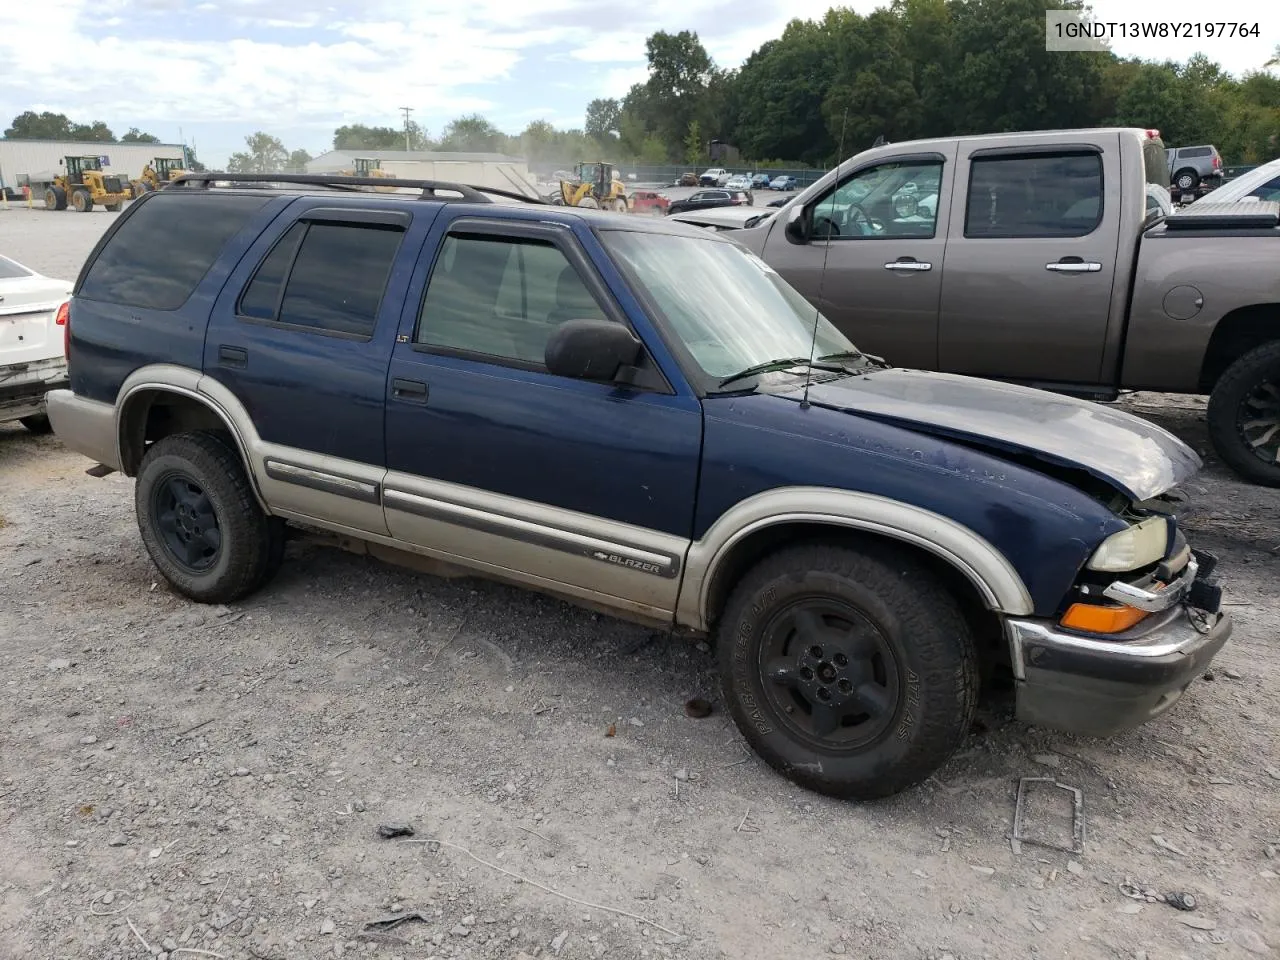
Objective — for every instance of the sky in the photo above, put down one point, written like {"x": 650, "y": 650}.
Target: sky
{"x": 213, "y": 71}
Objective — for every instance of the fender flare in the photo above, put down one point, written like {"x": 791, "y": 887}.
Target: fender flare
{"x": 992, "y": 575}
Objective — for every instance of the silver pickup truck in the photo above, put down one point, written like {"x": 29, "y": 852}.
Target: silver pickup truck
{"x": 1037, "y": 258}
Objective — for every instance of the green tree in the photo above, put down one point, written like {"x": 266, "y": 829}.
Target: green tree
{"x": 96, "y": 132}
{"x": 30, "y": 125}
{"x": 136, "y": 136}
{"x": 193, "y": 163}
{"x": 604, "y": 119}
{"x": 298, "y": 160}
{"x": 694, "y": 151}
{"x": 357, "y": 136}
{"x": 266, "y": 154}
{"x": 473, "y": 134}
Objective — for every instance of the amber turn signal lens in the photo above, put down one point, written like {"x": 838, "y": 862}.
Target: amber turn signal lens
{"x": 1096, "y": 618}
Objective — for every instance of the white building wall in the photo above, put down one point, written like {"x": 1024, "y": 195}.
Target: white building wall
{"x": 35, "y": 159}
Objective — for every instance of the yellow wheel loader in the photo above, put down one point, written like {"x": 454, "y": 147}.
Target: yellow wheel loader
{"x": 160, "y": 172}
{"x": 369, "y": 167}
{"x": 82, "y": 184}
{"x": 597, "y": 185}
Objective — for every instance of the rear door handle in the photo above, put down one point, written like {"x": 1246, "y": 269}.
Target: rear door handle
{"x": 909, "y": 264}
{"x": 1074, "y": 265}
{"x": 414, "y": 391}
{"x": 233, "y": 356}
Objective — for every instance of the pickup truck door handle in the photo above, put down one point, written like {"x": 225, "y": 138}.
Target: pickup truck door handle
{"x": 909, "y": 264}
{"x": 1074, "y": 265}
{"x": 415, "y": 391}
{"x": 233, "y": 356}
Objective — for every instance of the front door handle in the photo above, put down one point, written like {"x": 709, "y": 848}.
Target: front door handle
{"x": 229, "y": 356}
{"x": 1074, "y": 265}
{"x": 414, "y": 391}
{"x": 909, "y": 265}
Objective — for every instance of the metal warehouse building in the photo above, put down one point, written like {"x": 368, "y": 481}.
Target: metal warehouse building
{"x": 480, "y": 169}
{"x": 37, "y": 159}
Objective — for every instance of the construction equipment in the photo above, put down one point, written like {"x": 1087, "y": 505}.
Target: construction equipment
{"x": 370, "y": 167}
{"x": 595, "y": 184}
{"x": 156, "y": 174}
{"x": 82, "y": 183}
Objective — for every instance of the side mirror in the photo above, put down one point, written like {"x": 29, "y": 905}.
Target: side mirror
{"x": 591, "y": 350}
{"x": 799, "y": 225}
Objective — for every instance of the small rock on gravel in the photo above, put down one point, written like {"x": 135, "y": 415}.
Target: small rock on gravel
{"x": 327, "y": 926}
{"x": 1076, "y": 867}
{"x": 1248, "y": 940}
{"x": 59, "y": 664}
{"x": 1047, "y": 759}
{"x": 985, "y": 871}
{"x": 88, "y": 741}
{"x": 557, "y": 942}
{"x": 461, "y": 930}
{"x": 119, "y": 840}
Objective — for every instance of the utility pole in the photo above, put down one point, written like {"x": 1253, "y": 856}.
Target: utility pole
{"x": 406, "y": 111}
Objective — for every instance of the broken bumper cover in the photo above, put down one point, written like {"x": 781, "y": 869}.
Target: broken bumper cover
{"x": 23, "y": 387}
{"x": 1098, "y": 687}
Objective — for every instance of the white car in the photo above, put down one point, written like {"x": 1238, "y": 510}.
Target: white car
{"x": 715, "y": 177}
{"x": 724, "y": 218}
{"x": 31, "y": 345}
{"x": 738, "y": 182}
{"x": 1260, "y": 183}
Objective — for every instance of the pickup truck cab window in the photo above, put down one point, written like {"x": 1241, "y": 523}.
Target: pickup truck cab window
{"x": 1045, "y": 195}
{"x": 887, "y": 201}
{"x": 336, "y": 273}
{"x": 501, "y": 297}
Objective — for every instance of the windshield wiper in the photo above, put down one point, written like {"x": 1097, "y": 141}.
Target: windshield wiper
{"x": 780, "y": 364}
{"x": 870, "y": 359}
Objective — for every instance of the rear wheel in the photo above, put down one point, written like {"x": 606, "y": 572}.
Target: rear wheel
{"x": 200, "y": 522}
{"x": 1186, "y": 180}
{"x": 852, "y": 672}
{"x": 55, "y": 198}
{"x": 1244, "y": 415}
{"x": 82, "y": 200}
{"x": 38, "y": 424}
{"x": 113, "y": 207}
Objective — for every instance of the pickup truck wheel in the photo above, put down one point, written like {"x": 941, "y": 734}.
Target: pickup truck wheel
{"x": 200, "y": 522}
{"x": 1244, "y": 415}
{"x": 851, "y": 672}
{"x": 1186, "y": 180}
{"x": 38, "y": 424}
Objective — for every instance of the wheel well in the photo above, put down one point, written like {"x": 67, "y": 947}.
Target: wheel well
{"x": 987, "y": 630}
{"x": 1235, "y": 335}
{"x": 152, "y": 415}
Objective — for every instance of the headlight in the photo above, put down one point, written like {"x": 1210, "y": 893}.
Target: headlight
{"x": 1142, "y": 544}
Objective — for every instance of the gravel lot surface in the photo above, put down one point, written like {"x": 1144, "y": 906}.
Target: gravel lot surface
{"x": 209, "y": 782}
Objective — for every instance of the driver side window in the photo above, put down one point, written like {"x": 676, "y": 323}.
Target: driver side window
{"x": 891, "y": 201}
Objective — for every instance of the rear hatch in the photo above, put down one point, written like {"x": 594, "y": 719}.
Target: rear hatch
{"x": 28, "y": 306}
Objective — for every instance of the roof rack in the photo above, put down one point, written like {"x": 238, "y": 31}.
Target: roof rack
{"x": 429, "y": 188}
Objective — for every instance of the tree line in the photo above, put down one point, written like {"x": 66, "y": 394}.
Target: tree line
{"x": 47, "y": 125}
{"x": 829, "y": 87}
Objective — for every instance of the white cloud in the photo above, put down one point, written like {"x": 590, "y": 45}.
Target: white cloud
{"x": 619, "y": 80}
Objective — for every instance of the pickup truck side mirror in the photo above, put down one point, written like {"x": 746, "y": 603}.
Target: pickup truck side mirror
{"x": 799, "y": 225}
{"x": 591, "y": 350}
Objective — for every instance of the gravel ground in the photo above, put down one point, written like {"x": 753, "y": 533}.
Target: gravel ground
{"x": 209, "y": 782}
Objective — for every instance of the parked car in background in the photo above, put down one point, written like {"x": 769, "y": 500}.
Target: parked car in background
{"x": 647, "y": 201}
{"x": 784, "y": 182}
{"x": 759, "y": 181}
{"x": 641, "y": 417}
{"x": 1048, "y": 269}
{"x": 705, "y": 199}
{"x": 715, "y": 177}
{"x": 1194, "y": 168}
{"x": 686, "y": 179}
{"x": 1260, "y": 183}
{"x": 739, "y": 181}
{"x": 32, "y": 325}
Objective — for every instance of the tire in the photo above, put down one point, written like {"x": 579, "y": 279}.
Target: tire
{"x": 113, "y": 207}
{"x": 202, "y": 473}
{"x": 589, "y": 203}
{"x": 1244, "y": 415}
{"x": 1186, "y": 180}
{"x": 620, "y": 205}
{"x": 82, "y": 200}
{"x": 37, "y": 423}
{"x": 55, "y": 198}
{"x": 782, "y": 620}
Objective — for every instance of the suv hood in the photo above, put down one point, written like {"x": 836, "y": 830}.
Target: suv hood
{"x": 1138, "y": 458}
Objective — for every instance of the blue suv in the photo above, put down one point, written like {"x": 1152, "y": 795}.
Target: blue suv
{"x": 638, "y": 416}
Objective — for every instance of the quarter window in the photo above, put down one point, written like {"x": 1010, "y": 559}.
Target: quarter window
{"x": 892, "y": 200}
{"x": 501, "y": 297}
{"x": 1044, "y": 195}
{"x": 336, "y": 274}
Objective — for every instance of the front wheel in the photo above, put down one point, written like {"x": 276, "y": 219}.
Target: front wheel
{"x": 851, "y": 672}
{"x": 200, "y": 522}
{"x": 1186, "y": 180}
{"x": 1244, "y": 415}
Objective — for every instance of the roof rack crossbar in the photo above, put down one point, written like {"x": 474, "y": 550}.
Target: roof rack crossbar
{"x": 429, "y": 188}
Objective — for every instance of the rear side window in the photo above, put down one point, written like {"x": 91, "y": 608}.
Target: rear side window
{"x": 326, "y": 277}
{"x": 163, "y": 250}
{"x": 1041, "y": 195}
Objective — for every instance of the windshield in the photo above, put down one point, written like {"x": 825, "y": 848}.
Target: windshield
{"x": 728, "y": 307}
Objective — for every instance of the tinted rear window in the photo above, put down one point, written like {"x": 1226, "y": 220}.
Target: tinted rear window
{"x": 1196, "y": 152}
{"x": 162, "y": 252}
